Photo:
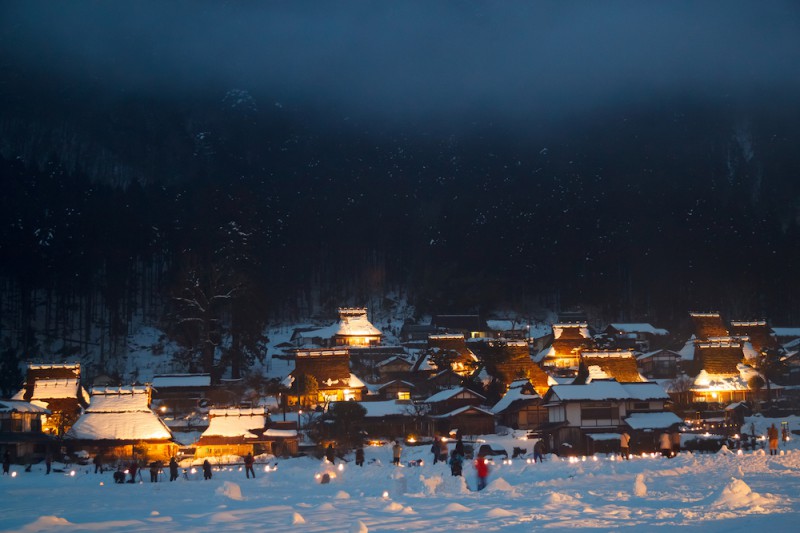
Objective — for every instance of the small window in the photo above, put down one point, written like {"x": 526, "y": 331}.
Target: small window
{"x": 403, "y": 395}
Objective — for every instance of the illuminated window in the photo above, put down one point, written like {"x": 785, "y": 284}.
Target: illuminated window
{"x": 403, "y": 395}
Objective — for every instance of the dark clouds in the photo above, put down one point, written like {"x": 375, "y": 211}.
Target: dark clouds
{"x": 418, "y": 59}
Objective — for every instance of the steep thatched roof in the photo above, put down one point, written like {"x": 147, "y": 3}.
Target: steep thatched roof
{"x": 330, "y": 367}
{"x": 455, "y": 343}
{"x": 720, "y": 358}
{"x": 617, "y": 364}
{"x": 708, "y": 325}
{"x": 759, "y": 333}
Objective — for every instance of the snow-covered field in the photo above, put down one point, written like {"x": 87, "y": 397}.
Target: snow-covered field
{"x": 714, "y": 492}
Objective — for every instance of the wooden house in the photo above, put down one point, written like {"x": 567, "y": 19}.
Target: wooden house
{"x": 395, "y": 390}
{"x": 394, "y": 367}
{"x": 508, "y": 361}
{"x": 563, "y": 356}
{"x": 58, "y": 388}
{"x": 521, "y": 407}
{"x": 634, "y": 336}
{"x": 237, "y": 432}
{"x": 355, "y": 329}
{"x": 396, "y": 419}
{"x": 179, "y": 394}
{"x": 659, "y": 364}
{"x": 416, "y": 333}
{"x": 454, "y": 398}
{"x": 21, "y": 431}
{"x": 619, "y": 365}
{"x": 119, "y": 422}
{"x": 466, "y": 420}
{"x": 708, "y": 326}
{"x": 589, "y": 418}
{"x": 330, "y": 368}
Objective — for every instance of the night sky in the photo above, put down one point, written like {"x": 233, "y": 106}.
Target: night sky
{"x": 637, "y": 159}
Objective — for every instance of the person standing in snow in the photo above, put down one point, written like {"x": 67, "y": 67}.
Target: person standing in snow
{"x": 132, "y": 469}
{"x": 155, "y": 466}
{"x": 459, "y": 449}
{"x": 173, "y": 469}
{"x": 206, "y": 469}
{"x": 665, "y": 444}
{"x": 6, "y": 463}
{"x": 48, "y": 462}
{"x": 625, "y": 445}
{"x": 482, "y": 469}
{"x": 98, "y": 463}
{"x": 248, "y": 466}
{"x": 360, "y": 456}
{"x": 538, "y": 451}
{"x": 772, "y": 435}
{"x": 456, "y": 463}
{"x": 330, "y": 454}
{"x": 396, "y": 451}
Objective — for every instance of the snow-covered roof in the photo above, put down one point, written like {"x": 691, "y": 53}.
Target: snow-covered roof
{"x": 235, "y": 422}
{"x": 388, "y": 407}
{"x": 284, "y": 433}
{"x": 639, "y": 328}
{"x": 47, "y": 389}
{"x": 504, "y": 325}
{"x": 323, "y": 333}
{"x": 181, "y": 380}
{"x": 581, "y": 327}
{"x": 687, "y": 352}
{"x": 118, "y": 400}
{"x": 604, "y": 436}
{"x": 513, "y": 394}
{"x": 786, "y": 332}
{"x": 119, "y": 413}
{"x": 354, "y": 322}
{"x": 15, "y": 406}
{"x": 658, "y": 420}
{"x": 446, "y": 394}
{"x": 725, "y": 382}
{"x": 461, "y": 410}
{"x": 609, "y": 390}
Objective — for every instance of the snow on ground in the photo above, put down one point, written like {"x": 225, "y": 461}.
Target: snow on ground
{"x": 709, "y": 492}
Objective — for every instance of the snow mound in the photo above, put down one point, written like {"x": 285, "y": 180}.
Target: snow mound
{"x": 297, "y": 518}
{"x": 409, "y": 510}
{"x": 431, "y": 484}
{"x": 499, "y": 513}
{"x": 342, "y": 495}
{"x": 501, "y": 485}
{"x": 359, "y": 527}
{"x": 639, "y": 488}
{"x": 230, "y": 490}
{"x": 393, "y": 507}
{"x": 46, "y": 522}
{"x": 738, "y": 494}
{"x": 559, "y": 498}
{"x": 456, "y": 508}
{"x": 326, "y": 507}
{"x": 725, "y": 450}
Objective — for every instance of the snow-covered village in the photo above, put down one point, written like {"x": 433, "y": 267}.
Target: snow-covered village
{"x": 379, "y": 266}
{"x": 456, "y": 423}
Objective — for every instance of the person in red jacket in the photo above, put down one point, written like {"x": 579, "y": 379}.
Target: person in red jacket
{"x": 482, "y": 470}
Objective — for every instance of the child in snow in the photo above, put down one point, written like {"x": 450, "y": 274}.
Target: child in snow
{"x": 248, "y": 466}
{"x": 482, "y": 469}
{"x": 206, "y": 469}
{"x": 772, "y": 434}
{"x": 625, "y": 445}
{"x": 360, "y": 456}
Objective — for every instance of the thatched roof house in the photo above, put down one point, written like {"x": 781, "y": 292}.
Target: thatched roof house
{"x": 56, "y": 387}
{"x": 119, "y": 421}
{"x": 355, "y": 329}
{"x": 331, "y": 369}
{"x": 453, "y": 349}
{"x": 521, "y": 407}
{"x": 237, "y": 431}
{"x": 569, "y": 339}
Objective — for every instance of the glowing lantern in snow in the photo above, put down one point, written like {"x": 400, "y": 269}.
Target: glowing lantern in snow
{"x": 340, "y": 467}
{"x": 13, "y": 474}
{"x": 386, "y": 494}
{"x": 72, "y": 473}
